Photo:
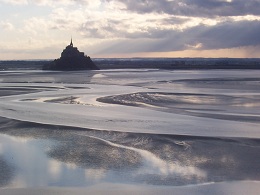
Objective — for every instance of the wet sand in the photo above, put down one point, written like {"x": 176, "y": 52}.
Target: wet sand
{"x": 148, "y": 130}
{"x": 232, "y": 188}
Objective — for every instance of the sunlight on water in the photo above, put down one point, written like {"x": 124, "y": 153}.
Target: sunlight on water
{"x": 155, "y": 165}
{"x": 31, "y": 160}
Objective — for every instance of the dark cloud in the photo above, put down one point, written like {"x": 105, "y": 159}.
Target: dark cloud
{"x": 115, "y": 28}
{"x": 208, "y": 8}
{"x": 110, "y": 28}
{"x": 229, "y": 34}
{"x": 162, "y": 38}
{"x": 225, "y": 35}
{"x": 173, "y": 20}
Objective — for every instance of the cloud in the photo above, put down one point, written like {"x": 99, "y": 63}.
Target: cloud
{"x": 58, "y": 3}
{"x": 52, "y": 3}
{"x": 198, "y": 8}
{"x": 230, "y": 34}
{"x": 225, "y": 35}
{"x": 15, "y": 2}
{"x": 6, "y": 26}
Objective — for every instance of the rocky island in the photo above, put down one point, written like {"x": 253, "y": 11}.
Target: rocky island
{"x": 71, "y": 59}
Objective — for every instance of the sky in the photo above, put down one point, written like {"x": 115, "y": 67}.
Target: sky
{"x": 41, "y": 29}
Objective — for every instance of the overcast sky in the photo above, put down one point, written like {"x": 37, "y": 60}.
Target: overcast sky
{"x": 41, "y": 29}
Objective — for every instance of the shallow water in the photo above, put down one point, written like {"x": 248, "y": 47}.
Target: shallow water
{"x": 50, "y": 155}
{"x": 163, "y": 128}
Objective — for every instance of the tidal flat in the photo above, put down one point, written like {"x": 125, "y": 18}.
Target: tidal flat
{"x": 145, "y": 130}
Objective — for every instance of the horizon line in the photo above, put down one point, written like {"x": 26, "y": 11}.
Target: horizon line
{"x": 46, "y": 59}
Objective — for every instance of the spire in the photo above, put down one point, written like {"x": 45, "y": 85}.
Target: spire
{"x": 71, "y": 44}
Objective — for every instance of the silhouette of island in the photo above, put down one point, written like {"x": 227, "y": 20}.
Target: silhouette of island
{"x": 71, "y": 59}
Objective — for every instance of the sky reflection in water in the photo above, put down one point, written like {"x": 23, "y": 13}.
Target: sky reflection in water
{"x": 54, "y": 157}
{"x": 34, "y": 168}
{"x": 35, "y": 164}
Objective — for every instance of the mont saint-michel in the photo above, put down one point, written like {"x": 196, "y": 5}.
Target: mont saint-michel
{"x": 71, "y": 59}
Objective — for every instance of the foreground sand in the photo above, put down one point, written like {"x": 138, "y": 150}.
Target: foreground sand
{"x": 231, "y": 188}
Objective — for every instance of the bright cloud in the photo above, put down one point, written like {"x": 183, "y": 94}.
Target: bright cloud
{"x": 7, "y": 26}
{"x": 14, "y": 2}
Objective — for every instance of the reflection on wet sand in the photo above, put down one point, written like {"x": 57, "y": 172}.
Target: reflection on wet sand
{"x": 158, "y": 144}
{"x": 81, "y": 157}
{"x": 6, "y": 171}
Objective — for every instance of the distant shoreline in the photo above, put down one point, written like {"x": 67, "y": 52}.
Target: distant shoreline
{"x": 147, "y": 63}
